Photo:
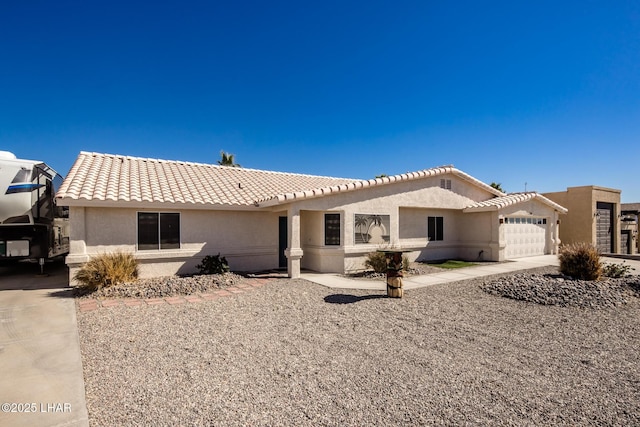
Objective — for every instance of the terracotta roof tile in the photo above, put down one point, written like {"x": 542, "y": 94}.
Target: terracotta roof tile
{"x": 105, "y": 177}
{"x": 359, "y": 184}
{"x": 114, "y": 178}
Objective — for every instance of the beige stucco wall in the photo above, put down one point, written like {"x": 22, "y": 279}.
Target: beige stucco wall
{"x": 464, "y": 235}
{"x": 579, "y": 224}
{"x": 249, "y": 240}
{"x": 481, "y": 236}
{"x": 317, "y": 256}
{"x": 408, "y": 205}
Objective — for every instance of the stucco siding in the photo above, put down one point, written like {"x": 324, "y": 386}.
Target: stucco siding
{"x": 110, "y": 228}
{"x": 317, "y": 256}
{"x": 408, "y": 205}
{"x": 249, "y": 240}
{"x": 311, "y": 228}
{"x": 579, "y": 223}
{"x": 419, "y": 193}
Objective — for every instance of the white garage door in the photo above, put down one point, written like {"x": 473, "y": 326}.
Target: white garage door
{"x": 525, "y": 236}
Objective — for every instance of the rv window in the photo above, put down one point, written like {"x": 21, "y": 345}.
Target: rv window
{"x": 23, "y": 175}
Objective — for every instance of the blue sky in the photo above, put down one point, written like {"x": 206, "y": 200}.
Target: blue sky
{"x": 545, "y": 93}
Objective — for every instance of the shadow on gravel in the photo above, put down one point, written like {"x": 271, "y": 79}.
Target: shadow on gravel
{"x": 349, "y": 299}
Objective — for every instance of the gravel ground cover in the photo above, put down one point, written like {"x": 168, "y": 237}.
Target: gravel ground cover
{"x": 295, "y": 353}
{"x": 548, "y": 287}
{"x": 160, "y": 287}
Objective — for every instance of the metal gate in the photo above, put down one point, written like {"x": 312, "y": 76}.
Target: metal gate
{"x": 625, "y": 242}
{"x": 604, "y": 227}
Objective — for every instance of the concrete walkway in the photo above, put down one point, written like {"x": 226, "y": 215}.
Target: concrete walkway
{"x": 41, "y": 381}
{"x": 414, "y": 282}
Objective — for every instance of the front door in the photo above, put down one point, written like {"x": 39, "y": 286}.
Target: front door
{"x": 282, "y": 241}
{"x": 625, "y": 242}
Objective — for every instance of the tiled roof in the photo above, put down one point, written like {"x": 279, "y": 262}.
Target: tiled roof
{"x": 357, "y": 185}
{"x": 113, "y": 178}
{"x": 512, "y": 199}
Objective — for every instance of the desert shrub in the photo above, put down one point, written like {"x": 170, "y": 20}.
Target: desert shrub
{"x": 106, "y": 270}
{"x": 580, "y": 261}
{"x": 377, "y": 261}
{"x": 616, "y": 270}
{"x": 213, "y": 264}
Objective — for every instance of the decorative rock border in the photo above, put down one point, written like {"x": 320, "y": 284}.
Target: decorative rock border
{"x": 90, "y": 304}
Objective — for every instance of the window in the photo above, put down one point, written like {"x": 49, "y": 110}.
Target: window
{"x": 332, "y": 229}
{"x": 371, "y": 229}
{"x": 445, "y": 183}
{"x": 435, "y": 228}
{"x": 158, "y": 231}
{"x": 515, "y": 220}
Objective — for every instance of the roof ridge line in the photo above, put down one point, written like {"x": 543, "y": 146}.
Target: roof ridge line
{"x": 187, "y": 162}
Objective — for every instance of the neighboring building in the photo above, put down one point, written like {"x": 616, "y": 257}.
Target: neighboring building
{"x": 629, "y": 243}
{"x": 171, "y": 214}
{"x": 593, "y": 217}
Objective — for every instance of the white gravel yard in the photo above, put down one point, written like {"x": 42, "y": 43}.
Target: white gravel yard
{"x": 293, "y": 353}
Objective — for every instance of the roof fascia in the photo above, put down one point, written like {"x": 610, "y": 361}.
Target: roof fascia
{"x": 534, "y": 196}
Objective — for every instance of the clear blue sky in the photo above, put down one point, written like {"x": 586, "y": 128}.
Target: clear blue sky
{"x": 542, "y": 92}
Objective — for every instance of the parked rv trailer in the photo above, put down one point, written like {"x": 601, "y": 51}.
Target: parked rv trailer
{"x": 32, "y": 226}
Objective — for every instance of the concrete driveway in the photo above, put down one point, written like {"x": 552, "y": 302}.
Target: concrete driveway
{"x": 41, "y": 382}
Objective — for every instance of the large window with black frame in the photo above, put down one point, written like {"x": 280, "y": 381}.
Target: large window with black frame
{"x": 332, "y": 229}
{"x": 435, "y": 228}
{"x": 158, "y": 230}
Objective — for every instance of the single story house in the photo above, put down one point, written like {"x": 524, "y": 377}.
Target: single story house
{"x": 171, "y": 214}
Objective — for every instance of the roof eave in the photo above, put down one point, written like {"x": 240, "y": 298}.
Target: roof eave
{"x": 358, "y": 185}
{"x": 135, "y": 204}
{"x": 515, "y": 202}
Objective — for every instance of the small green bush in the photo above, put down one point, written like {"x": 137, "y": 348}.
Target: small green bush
{"x": 106, "y": 270}
{"x": 213, "y": 264}
{"x": 616, "y": 270}
{"x": 377, "y": 261}
{"x": 580, "y": 261}
{"x": 452, "y": 264}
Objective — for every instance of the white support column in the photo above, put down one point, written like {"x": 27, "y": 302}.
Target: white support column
{"x": 498, "y": 240}
{"x": 77, "y": 241}
{"x": 78, "y": 234}
{"x": 294, "y": 251}
{"x": 555, "y": 233}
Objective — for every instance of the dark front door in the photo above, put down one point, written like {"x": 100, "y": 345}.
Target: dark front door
{"x": 604, "y": 227}
{"x": 282, "y": 244}
{"x": 625, "y": 242}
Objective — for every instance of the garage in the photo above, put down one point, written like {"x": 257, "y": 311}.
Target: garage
{"x": 525, "y": 236}
{"x": 604, "y": 227}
